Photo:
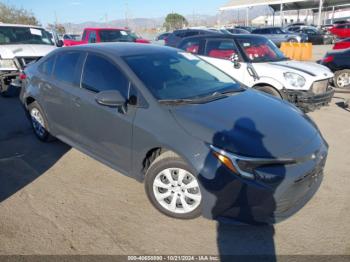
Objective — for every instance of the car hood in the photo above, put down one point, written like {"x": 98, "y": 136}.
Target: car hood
{"x": 308, "y": 68}
{"x": 25, "y": 50}
{"x": 249, "y": 123}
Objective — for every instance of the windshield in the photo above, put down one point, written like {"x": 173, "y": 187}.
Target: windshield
{"x": 261, "y": 49}
{"x": 180, "y": 75}
{"x": 24, "y": 35}
{"x": 117, "y": 36}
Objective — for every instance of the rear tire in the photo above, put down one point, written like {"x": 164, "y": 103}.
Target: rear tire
{"x": 172, "y": 187}
{"x": 269, "y": 90}
{"x": 342, "y": 79}
{"x": 292, "y": 40}
{"x": 39, "y": 122}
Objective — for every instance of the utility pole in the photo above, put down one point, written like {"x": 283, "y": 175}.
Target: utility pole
{"x": 320, "y": 14}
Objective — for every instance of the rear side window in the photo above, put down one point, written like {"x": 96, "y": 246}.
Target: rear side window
{"x": 223, "y": 49}
{"x": 100, "y": 75}
{"x": 46, "y": 67}
{"x": 66, "y": 67}
{"x": 191, "y": 46}
{"x": 191, "y": 33}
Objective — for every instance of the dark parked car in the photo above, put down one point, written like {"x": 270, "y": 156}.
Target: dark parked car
{"x": 247, "y": 28}
{"x": 339, "y": 62}
{"x": 237, "y": 31}
{"x": 200, "y": 142}
{"x": 174, "y": 38}
{"x": 162, "y": 36}
{"x": 316, "y": 36}
{"x": 278, "y": 35}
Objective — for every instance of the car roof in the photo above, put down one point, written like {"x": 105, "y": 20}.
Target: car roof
{"x": 19, "y": 25}
{"x": 226, "y": 36}
{"x": 106, "y": 28}
{"x": 120, "y": 49}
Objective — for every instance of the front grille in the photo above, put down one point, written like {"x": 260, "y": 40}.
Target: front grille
{"x": 23, "y": 61}
{"x": 320, "y": 87}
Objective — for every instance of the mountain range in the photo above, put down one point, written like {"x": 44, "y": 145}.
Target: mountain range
{"x": 141, "y": 24}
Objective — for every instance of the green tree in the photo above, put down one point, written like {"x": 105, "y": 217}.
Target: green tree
{"x": 13, "y": 15}
{"x": 174, "y": 21}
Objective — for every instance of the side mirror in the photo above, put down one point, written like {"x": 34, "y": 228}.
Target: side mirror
{"x": 111, "y": 98}
{"x": 60, "y": 43}
{"x": 235, "y": 61}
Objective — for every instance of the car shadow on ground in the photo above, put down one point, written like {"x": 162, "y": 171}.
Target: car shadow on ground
{"x": 23, "y": 158}
{"x": 234, "y": 198}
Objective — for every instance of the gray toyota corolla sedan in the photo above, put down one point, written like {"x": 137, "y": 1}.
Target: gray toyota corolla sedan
{"x": 200, "y": 141}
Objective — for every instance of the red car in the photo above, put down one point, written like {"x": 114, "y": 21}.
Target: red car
{"x": 341, "y": 30}
{"x": 100, "y": 35}
{"x": 343, "y": 44}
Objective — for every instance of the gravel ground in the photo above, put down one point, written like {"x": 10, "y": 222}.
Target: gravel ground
{"x": 56, "y": 200}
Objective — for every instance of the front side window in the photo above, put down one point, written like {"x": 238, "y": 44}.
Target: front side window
{"x": 100, "y": 74}
{"x": 261, "y": 50}
{"x": 179, "y": 75}
{"x": 66, "y": 67}
{"x": 224, "y": 49}
{"x": 11, "y": 35}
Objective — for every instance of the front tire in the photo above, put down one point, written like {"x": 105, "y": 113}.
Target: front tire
{"x": 39, "y": 122}
{"x": 269, "y": 90}
{"x": 342, "y": 79}
{"x": 172, "y": 187}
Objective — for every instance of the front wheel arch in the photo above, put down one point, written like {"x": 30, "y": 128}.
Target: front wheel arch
{"x": 265, "y": 87}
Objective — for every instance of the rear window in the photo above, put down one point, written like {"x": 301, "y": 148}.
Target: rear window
{"x": 116, "y": 36}
{"x": 46, "y": 67}
{"x": 66, "y": 67}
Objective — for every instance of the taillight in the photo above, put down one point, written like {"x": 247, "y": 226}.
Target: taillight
{"x": 165, "y": 40}
{"x": 22, "y": 76}
{"x": 328, "y": 59}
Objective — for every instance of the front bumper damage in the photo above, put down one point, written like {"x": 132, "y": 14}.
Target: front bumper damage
{"x": 10, "y": 83}
{"x": 307, "y": 100}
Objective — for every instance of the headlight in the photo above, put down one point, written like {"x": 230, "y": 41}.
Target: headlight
{"x": 245, "y": 166}
{"x": 294, "y": 79}
{"x": 7, "y": 64}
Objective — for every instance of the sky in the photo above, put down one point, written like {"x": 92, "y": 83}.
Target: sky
{"x": 77, "y": 11}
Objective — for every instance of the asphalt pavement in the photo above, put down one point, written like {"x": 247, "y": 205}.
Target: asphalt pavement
{"x": 56, "y": 200}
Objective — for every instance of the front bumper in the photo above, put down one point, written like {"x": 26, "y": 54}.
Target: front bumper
{"x": 278, "y": 193}
{"x": 307, "y": 100}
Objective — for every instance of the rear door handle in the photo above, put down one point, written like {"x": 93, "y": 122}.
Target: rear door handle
{"x": 76, "y": 101}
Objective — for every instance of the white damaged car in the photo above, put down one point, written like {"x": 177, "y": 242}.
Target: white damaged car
{"x": 19, "y": 46}
{"x": 256, "y": 62}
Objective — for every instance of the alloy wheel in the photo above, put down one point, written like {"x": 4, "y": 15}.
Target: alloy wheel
{"x": 177, "y": 190}
{"x": 343, "y": 80}
{"x": 37, "y": 122}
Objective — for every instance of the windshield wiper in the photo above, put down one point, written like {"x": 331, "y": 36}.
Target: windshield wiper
{"x": 176, "y": 101}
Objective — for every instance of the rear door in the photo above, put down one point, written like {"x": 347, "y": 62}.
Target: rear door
{"x": 57, "y": 92}
{"x": 105, "y": 132}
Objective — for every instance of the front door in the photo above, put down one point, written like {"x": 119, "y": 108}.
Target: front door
{"x": 104, "y": 131}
